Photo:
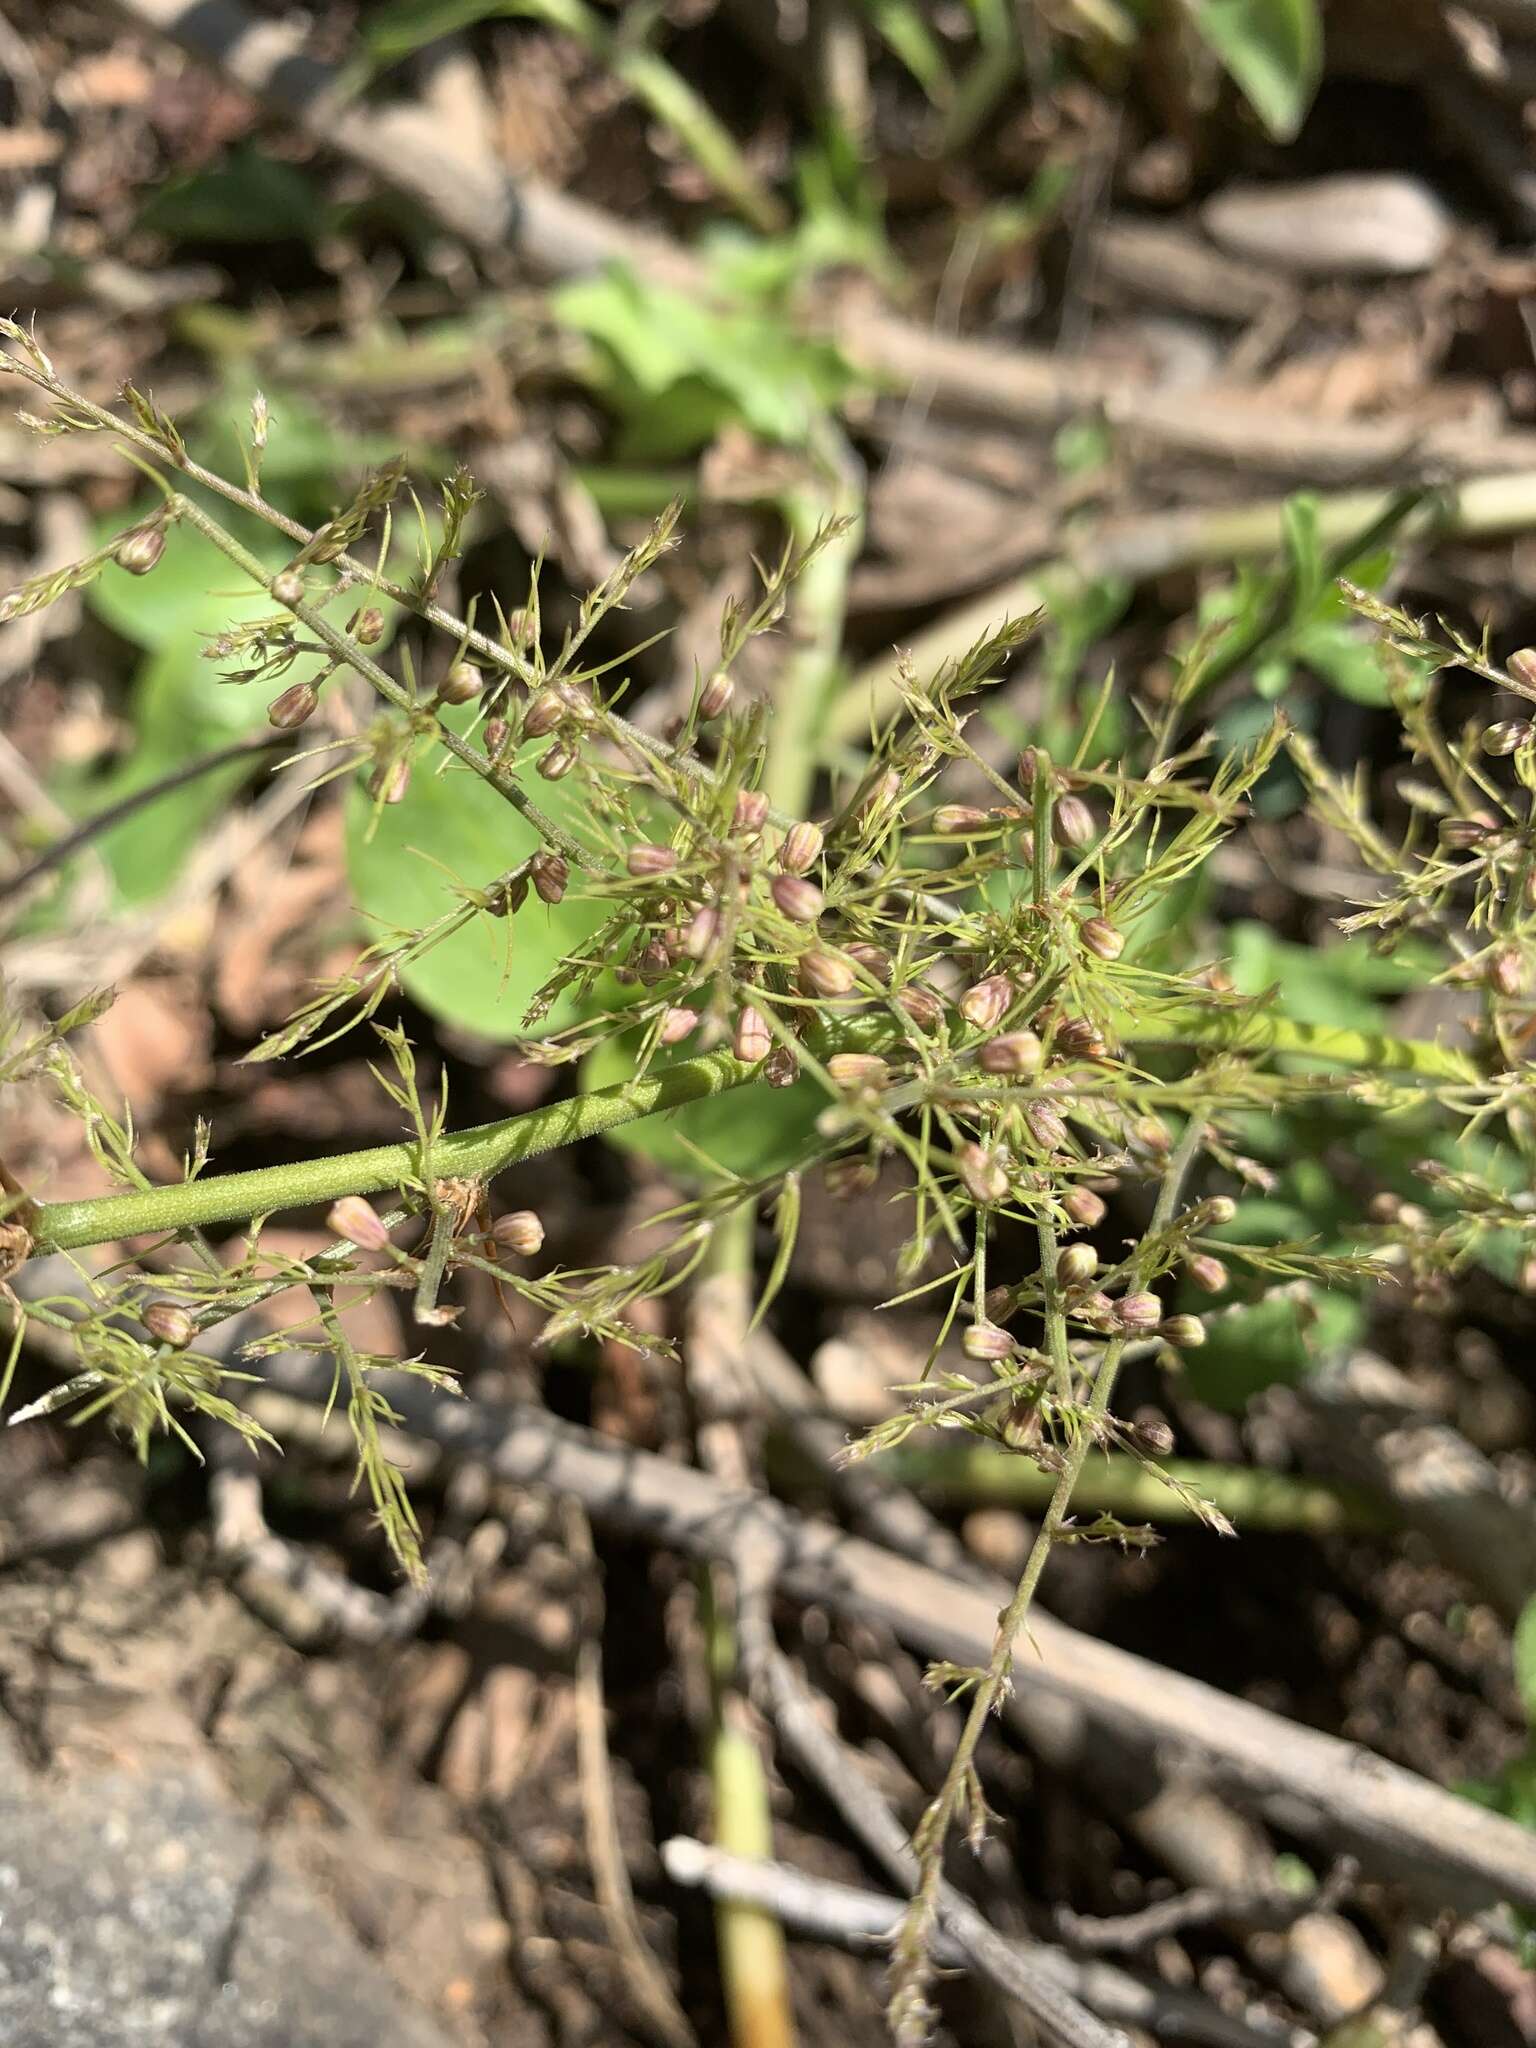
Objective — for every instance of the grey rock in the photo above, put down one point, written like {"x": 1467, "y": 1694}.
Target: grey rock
{"x": 143, "y": 1912}
{"x": 1365, "y": 226}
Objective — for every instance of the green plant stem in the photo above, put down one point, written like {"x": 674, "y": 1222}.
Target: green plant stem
{"x": 914, "y": 1939}
{"x": 487, "y": 1148}
{"x": 975, "y": 1475}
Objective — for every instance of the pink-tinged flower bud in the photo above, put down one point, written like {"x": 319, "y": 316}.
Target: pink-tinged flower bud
{"x": 825, "y": 974}
{"x": 288, "y": 587}
{"x": 544, "y": 713}
{"x": 497, "y": 733}
{"x": 703, "y": 930}
{"x": 751, "y": 812}
{"x": 1383, "y": 1207}
{"x": 1463, "y": 835}
{"x": 984, "y": 1003}
{"x": 169, "y": 1323}
{"x": 1507, "y": 737}
{"x": 1150, "y": 1435}
{"x": 462, "y": 684}
{"x": 677, "y": 1023}
{"x": 1073, "y": 823}
{"x": 924, "y": 1008}
{"x": 858, "y": 1069}
{"x": 801, "y": 848}
{"x": 291, "y": 707}
{"x": 1528, "y": 1275}
{"x": 1411, "y": 1217}
{"x": 1084, "y": 1207}
{"x": 549, "y": 876}
{"x": 1102, "y": 938}
{"x": 1139, "y": 1312}
{"x": 649, "y": 861}
{"x": 1152, "y": 1135}
{"x": 984, "y": 1175}
{"x": 716, "y": 695}
{"x": 1046, "y": 1124}
{"x": 1076, "y": 1264}
{"x": 391, "y": 780}
{"x": 1506, "y": 972}
{"x": 1184, "y": 1333}
{"x": 655, "y": 962}
{"x": 520, "y": 1232}
{"x": 1208, "y": 1274}
{"x": 1096, "y": 1309}
{"x": 957, "y": 821}
{"x": 781, "y": 1069}
{"x": 1077, "y": 1039}
{"x": 509, "y": 898}
{"x": 140, "y": 550}
{"x": 1015, "y": 1052}
{"x": 556, "y": 762}
{"x": 800, "y": 901}
{"x": 1028, "y": 767}
{"x": 752, "y": 1040}
{"x": 1216, "y": 1210}
{"x": 987, "y": 1344}
{"x": 1522, "y": 666}
{"x": 367, "y": 626}
{"x": 359, "y": 1222}
{"x": 874, "y": 960}
{"x": 879, "y": 797}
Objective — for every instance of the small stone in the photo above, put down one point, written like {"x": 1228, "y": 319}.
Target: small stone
{"x": 1370, "y": 225}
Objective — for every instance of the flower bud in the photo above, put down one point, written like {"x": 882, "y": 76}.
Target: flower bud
{"x": 1151, "y": 1435}
{"x": 1028, "y": 766}
{"x": 140, "y": 550}
{"x": 858, "y": 1069}
{"x": 367, "y": 626}
{"x": 874, "y": 960}
{"x": 655, "y": 962}
{"x": 359, "y": 1222}
{"x": 390, "y": 781}
{"x": 291, "y": 707}
{"x": 462, "y": 684}
{"x": 984, "y": 1175}
{"x": 801, "y": 848}
{"x": 1463, "y": 835}
{"x": 799, "y": 900}
{"x": 781, "y": 1069}
{"x": 1102, "y": 938}
{"x": 845, "y": 1178}
{"x": 1528, "y": 1276}
{"x": 1184, "y": 1333}
{"x": 1208, "y": 1274}
{"x": 1077, "y": 1039}
{"x": 497, "y": 733}
{"x": 677, "y": 1024}
{"x": 1506, "y": 972}
{"x": 1216, "y": 1210}
{"x": 544, "y": 713}
{"x": 645, "y": 862}
{"x": 520, "y": 1232}
{"x": 920, "y": 1004}
{"x": 1046, "y": 1124}
{"x": 752, "y": 1040}
{"x": 1507, "y": 737}
{"x": 983, "y": 1005}
{"x": 716, "y": 695}
{"x": 288, "y": 587}
{"x": 1522, "y": 666}
{"x": 326, "y": 543}
{"x": 956, "y": 821}
{"x": 1152, "y": 1135}
{"x": 1411, "y": 1217}
{"x": 556, "y": 762}
{"x": 986, "y": 1343}
{"x": 825, "y": 974}
{"x": 1085, "y": 1208}
{"x": 1139, "y": 1312}
{"x": 1073, "y": 823}
{"x": 751, "y": 811}
{"x": 549, "y": 876}
{"x": 1076, "y": 1264}
{"x": 703, "y": 930}
{"x": 1015, "y": 1052}
{"x": 1383, "y": 1207}
{"x": 169, "y": 1323}
{"x": 878, "y": 798}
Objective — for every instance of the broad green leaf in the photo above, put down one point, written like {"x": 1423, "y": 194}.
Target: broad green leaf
{"x": 1273, "y": 52}
{"x": 1525, "y": 1658}
{"x": 1334, "y": 984}
{"x": 248, "y": 197}
{"x": 1276, "y": 1342}
{"x": 453, "y": 828}
{"x": 751, "y": 1131}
